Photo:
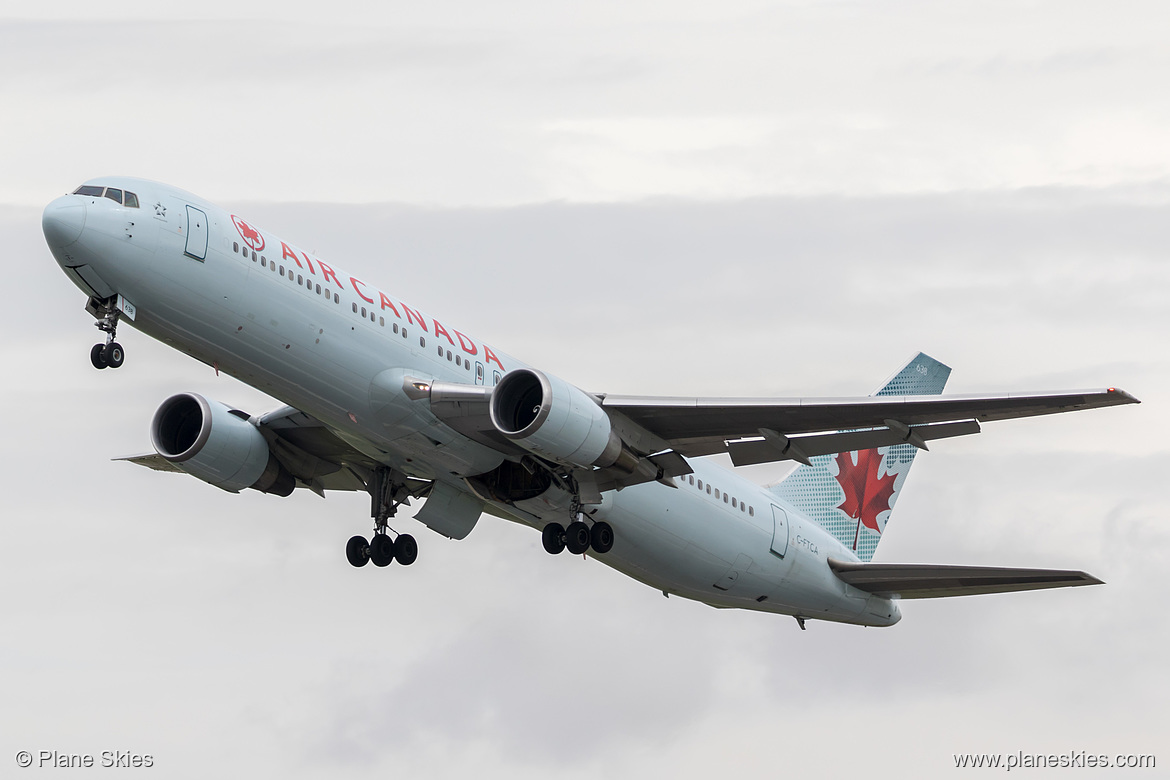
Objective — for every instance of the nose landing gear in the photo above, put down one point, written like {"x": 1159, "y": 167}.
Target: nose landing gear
{"x": 110, "y": 354}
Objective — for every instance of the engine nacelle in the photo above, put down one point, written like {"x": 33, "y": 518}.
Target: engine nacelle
{"x": 218, "y": 445}
{"x": 553, "y": 419}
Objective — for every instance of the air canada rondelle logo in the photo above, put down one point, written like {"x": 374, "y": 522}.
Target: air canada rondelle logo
{"x": 251, "y": 235}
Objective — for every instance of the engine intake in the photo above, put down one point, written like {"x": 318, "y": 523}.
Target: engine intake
{"x": 218, "y": 445}
{"x": 553, "y": 419}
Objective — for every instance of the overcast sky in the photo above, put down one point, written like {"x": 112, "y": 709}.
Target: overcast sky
{"x": 678, "y": 198}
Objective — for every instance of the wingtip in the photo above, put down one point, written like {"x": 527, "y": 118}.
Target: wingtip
{"x": 1128, "y": 398}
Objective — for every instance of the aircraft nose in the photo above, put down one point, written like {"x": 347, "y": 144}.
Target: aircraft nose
{"x": 63, "y": 220}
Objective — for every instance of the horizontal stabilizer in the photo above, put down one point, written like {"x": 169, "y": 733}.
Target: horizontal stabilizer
{"x": 928, "y": 581}
{"x": 751, "y": 452}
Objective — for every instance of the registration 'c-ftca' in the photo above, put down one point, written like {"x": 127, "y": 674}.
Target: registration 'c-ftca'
{"x": 385, "y": 399}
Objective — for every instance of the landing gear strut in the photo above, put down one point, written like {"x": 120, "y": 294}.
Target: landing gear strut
{"x": 578, "y": 538}
{"x": 387, "y": 493}
{"x": 110, "y": 354}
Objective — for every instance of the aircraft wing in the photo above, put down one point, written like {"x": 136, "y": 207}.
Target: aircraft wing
{"x": 927, "y": 581}
{"x": 798, "y": 428}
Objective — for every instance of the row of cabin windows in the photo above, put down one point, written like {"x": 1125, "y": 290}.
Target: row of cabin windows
{"x": 121, "y": 197}
{"x": 296, "y": 278}
{"x": 727, "y": 499}
{"x": 371, "y": 314}
{"x": 459, "y": 360}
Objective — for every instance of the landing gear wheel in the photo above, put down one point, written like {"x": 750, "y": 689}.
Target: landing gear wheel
{"x": 601, "y": 537}
{"x": 405, "y": 549}
{"x": 357, "y": 551}
{"x": 113, "y": 354}
{"x": 97, "y": 356}
{"x": 382, "y": 550}
{"x": 553, "y": 538}
{"x": 577, "y": 538}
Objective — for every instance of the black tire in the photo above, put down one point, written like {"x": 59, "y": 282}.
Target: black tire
{"x": 553, "y": 538}
{"x": 357, "y": 551}
{"x": 577, "y": 538}
{"x": 405, "y": 549}
{"x": 97, "y": 357}
{"x": 382, "y": 550}
{"x": 601, "y": 537}
{"x": 114, "y": 355}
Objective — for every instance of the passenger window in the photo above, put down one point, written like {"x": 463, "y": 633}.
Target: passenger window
{"x": 742, "y": 506}
{"x": 458, "y": 360}
{"x": 716, "y": 494}
{"x": 422, "y": 340}
{"x": 495, "y": 377}
{"x": 236, "y": 247}
{"x": 692, "y": 478}
{"x": 355, "y": 307}
{"x": 253, "y": 256}
{"x": 382, "y": 322}
{"x": 752, "y": 511}
{"x": 479, "y": 372}
{"x": 440, "y": 348}
{"x": 467, "y": 364}
{"x": 396, "y": 327}
{"x": 131, "y": 202}
{"x": 725, "y": 498}
{"x": 282, "y": 270}
{"x": 363, "y": 311}
{"x": 734, "y": 505}
{"x": 708, "y": 488}
{"x": 114, "y": 195}
{"x": 89, "y": 189}
{"x": 300, "y": 279}
{"x": 448, "y": 354}
{"x": 263, "y": 261}
{"x": 371, "y": 315}
{"x": 336, "y": 298}
{"x": 318, "y": 289}
{"x": 700, "y": 484}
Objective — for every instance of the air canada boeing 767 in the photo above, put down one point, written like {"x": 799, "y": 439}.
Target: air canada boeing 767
{"x": 385, "y": 399}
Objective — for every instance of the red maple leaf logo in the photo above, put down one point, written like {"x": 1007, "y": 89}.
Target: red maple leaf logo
{"x": 866, "y": 494}
{"x": 250, "y": 234}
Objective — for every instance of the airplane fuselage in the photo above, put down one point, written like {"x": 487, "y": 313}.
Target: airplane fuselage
{"x": 340, "y": 349}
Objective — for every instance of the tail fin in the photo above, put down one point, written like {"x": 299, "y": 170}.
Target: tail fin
{"x": 852, "y": 494}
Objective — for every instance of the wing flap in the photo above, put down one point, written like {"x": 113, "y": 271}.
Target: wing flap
{"x": 927, "y": 581}
{"x": 749, "y": 453}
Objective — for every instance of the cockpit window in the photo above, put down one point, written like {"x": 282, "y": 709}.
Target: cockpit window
{"x": 126, "y": 198}
{"x": 89, "y": 189}
{"x": 114, "y": 195}
{"x": 132, "y": 201}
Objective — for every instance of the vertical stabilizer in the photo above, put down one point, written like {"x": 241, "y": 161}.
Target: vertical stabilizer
{"x": 852, "y": 494}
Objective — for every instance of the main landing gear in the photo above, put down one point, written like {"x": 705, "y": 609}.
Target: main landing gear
{"x": 109, "y": 354}
{"x": 578, "y": 538}
{"x": 386, "y": 496}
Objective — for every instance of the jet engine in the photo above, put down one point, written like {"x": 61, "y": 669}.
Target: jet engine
{"x": 553, "y": 419}
{"x": 218, "y": 445}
